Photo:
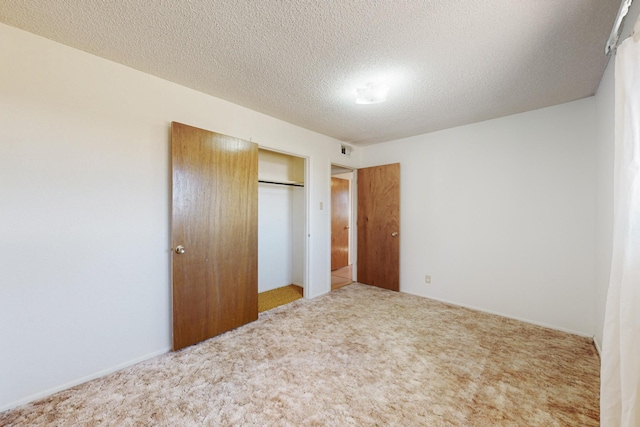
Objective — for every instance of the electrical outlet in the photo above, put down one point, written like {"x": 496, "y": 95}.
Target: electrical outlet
{"x": 427, "y": 278}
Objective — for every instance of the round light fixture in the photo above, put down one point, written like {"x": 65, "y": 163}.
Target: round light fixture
{"x": 372, "y": 93}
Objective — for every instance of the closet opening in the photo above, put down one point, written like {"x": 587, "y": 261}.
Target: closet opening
{"x": 282, "y": 228}
{"x": 342, "y": 226}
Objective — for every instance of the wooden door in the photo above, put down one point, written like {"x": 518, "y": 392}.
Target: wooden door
{"x": 215, "y": 220}
{"x": 379, "y": 226}
{"x": 339, "y": 223}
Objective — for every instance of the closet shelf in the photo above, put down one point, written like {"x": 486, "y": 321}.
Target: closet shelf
{"x": 288, "y": 183}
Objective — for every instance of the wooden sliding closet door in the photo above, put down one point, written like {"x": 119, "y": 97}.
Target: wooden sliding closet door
{"x": 214, "y": 233}
{"x": 379, "y": 226}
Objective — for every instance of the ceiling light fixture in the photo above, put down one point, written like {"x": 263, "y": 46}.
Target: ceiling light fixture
{"x": 372, "y": 93}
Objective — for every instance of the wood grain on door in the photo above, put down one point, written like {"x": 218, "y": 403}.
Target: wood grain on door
{"x": 379, "y": 226}
{"x": 339, "y": 223}
{"x": 215, "y": 220}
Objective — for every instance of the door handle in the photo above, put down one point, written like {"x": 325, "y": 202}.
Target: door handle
{"x": 180, "y": 249}
{"x": 394, "y": 234}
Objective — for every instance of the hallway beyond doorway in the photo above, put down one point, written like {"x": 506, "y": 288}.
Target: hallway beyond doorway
{"x": 341, "y": 277}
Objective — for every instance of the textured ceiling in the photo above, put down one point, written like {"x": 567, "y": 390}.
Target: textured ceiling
{"x": 448, "y": 63}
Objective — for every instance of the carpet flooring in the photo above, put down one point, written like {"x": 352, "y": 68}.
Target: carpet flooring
{"x": 280, "y": 296}
{"x": 358, "y": 356}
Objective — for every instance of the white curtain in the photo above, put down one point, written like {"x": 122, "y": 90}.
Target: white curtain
{"x": 620, "y": 373}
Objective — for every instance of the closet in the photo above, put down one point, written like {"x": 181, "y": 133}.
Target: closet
{"x": 238, "y": 228}
{"x": 281, "y": 220}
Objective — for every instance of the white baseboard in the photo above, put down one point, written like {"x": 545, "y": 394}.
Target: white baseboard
{"x": 84, "y": 379}
{"x": 317, "y": 295}
{"x": 532, "y": 322}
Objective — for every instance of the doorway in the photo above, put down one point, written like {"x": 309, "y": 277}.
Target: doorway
{"x": 373, "y": 224}
{"x": 341, "y": 226}
{"x": 282, "y": 223}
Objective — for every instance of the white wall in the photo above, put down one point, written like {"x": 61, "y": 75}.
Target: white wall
{"x": 605, "y": 144}
{"x": 604, "y": 193}
{"x": 275, "y": 237}
{"x": 501, "y": 214}
{"x": 85, "y": 209}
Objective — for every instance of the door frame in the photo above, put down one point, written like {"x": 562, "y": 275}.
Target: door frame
{"x": 307, "y": 214}
{"x": 353, "y": 230}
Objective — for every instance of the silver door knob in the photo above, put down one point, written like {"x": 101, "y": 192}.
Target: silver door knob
{"x": 180, "y": 249}
{"x": 394, "y": 234}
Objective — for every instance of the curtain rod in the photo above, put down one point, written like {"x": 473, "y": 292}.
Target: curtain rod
{"x": 612, "y": 43}
{"x": 291, "y": 184}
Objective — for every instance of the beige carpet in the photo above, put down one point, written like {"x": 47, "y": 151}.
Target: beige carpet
{"x": 359, "y": 356}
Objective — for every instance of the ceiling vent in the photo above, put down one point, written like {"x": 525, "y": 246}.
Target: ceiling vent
{"x": 345, "y": 150}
